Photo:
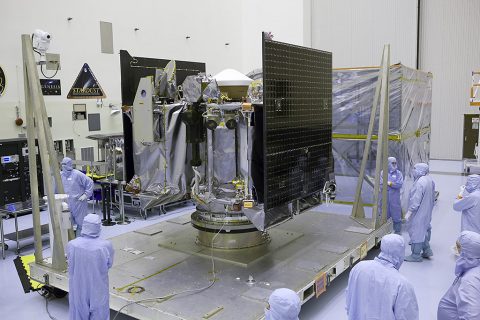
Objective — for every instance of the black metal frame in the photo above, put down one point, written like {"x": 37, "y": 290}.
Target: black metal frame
{"x": 18, "y": 189}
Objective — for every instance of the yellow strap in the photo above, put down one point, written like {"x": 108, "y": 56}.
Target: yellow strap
{"x": 351, "y": 202}
{"x": 147, "y": 277}
{"x": 347, "y": 136}
{"x": 391, "y": 137}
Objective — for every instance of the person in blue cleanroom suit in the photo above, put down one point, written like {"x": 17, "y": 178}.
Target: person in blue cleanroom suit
{"x": 462, "y": 300}
{"x": 283, "y": 304}
{"x": 377, "y": 290}
{"x": 395, "y": 183}
{"x": 469, "y": 204}
{"x": 419, "y": 215}
{"x": 89, "y": 259}
{"x": 79, "y": 188}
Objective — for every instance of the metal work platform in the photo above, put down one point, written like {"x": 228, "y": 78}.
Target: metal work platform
{"x": 304, "y": 254}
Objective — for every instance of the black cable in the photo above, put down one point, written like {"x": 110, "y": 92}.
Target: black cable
{"x": 56, "y": 71}
{"x": 46, "y": 295}
{"x": 46, "y": 308}
{"x": 35, "y": 50}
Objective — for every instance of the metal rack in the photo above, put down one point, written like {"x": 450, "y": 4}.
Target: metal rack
{"x": 14, "y": 210}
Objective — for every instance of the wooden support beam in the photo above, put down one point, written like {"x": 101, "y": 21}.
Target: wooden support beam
{"x": 32, "y": 165}
{"x": 32, "y": 83}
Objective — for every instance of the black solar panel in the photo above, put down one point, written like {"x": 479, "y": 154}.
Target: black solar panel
{"x": 297, "y": 121}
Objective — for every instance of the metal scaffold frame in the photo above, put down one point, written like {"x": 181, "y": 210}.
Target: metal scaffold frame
{"x": 382, "y": 94}
{"x": 40, "y": 129}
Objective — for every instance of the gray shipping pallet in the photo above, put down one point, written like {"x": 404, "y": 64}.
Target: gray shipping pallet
{"x": 305, "y": 254}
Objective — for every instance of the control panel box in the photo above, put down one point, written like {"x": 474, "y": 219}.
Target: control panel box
{"x": 15, "y": 172}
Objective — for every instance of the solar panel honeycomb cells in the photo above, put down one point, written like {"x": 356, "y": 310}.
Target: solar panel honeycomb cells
{"x": 297, "y": 121}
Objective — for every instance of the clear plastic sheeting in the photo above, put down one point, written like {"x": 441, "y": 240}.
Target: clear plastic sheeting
{"x": 192, "y": 89}
{"x": 160, "y": 166}
{"x": 160, "y": 82}
{"x": 255, "y": 89}
{"x": 171, "y": 71}
{"x": 258, "y": 216}
{"x": 166, "y": 81}
{"x": 227, "y": 164}
{"x": 212, "y": 91}
{"x": 409, "y": 125}
{"x": 200, "y": 88}
{"x": 245, "y": 139}
{"x": 256, "y": 74}
{"x": 224, "y": 155}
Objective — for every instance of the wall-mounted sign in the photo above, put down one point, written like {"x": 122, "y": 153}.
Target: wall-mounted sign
{"x": 3, "y": 82}
{"x": 86, "y": 86}
{"x": 51, "y": 87}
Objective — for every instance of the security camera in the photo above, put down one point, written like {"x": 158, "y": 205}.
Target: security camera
{"x": 41, "y": 42}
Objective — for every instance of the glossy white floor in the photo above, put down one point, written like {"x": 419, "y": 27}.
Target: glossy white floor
{"x": 430, "y": 278}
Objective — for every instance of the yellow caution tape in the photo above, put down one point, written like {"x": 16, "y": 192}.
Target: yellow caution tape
{"x": 26, "y": 260}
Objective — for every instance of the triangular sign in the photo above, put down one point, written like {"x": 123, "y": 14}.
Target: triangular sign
{"x": 86, "y": 86}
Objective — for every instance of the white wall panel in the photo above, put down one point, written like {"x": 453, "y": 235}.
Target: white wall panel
{"x": 284, "y": 18}
{"x": 450, "y": 49}
{"x": 355, "y": 31}
{"x": 163, "y": 27}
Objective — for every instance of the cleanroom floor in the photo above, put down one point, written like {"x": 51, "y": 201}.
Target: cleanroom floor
{"x": 429, "y": 278}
